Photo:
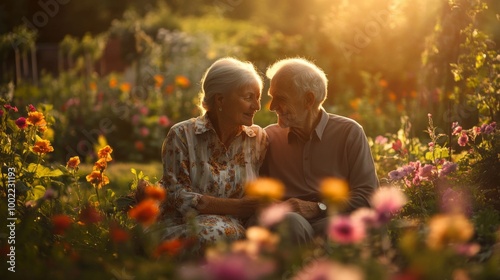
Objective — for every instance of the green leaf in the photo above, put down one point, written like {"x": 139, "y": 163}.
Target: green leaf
{"x": 43, "y": 171}
{"x": 36, "y": 193}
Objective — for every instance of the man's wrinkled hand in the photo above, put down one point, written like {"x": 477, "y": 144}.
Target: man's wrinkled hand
{"x": 307, "y": 209}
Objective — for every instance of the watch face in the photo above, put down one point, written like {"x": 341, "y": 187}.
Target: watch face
{"x": 321, "y": 206}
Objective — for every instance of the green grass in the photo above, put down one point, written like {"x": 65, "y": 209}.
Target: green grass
{"x": 120, "y": 175}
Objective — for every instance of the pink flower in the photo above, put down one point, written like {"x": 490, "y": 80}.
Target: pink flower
{"x": 344, "y": 230}
{"x": 366, "y": 216}
{"x": 144, "y": 131}
{"x": 457, "y": 130}
{"x": 10, "y": 108}
{"x": 426, "y": 170}
{"x": 1, "y": 112}
{"x": 463, "y": 139}
{"x": 381, "y": 140}
{"x": 21, "y": 123}
{"x": 468, "y": 250}
{"x": 388, "y": 201}
{"x": 274, "y": 214}
{"x": 326, "y": 269}
{"x": 164, "y": 121}
{"x": 234, "y": 266}
{"x": 144, "y": 110}
{"x": 31, "y": 108}
{"x": 135, "y": 119}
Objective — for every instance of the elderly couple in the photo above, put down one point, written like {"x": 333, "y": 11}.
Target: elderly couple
{"x": 208, "y": 160}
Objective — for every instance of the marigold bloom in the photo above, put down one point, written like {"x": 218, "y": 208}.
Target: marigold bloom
{"x": 60, "y": 223}
{"x": 335, "y": 191}
{"x": 170, "y": 247}
{"x": 43, "y": 147}
{"x": 21, "y": 123}
{"x": 156, "y": 193}
{"x": 97, "y": 178}
{"x": 145, "y": 212}
{"x": 100, "y": 164}
{"x": 36, "y": 119}
{"x": 125, "y": 87}
{"x": 169, "y": 89}
{"x": 105, "y": 153}
{"x": 344, "y": 230}
{"x": 73, "y": 163}
{"x": 182, "y": 81}
{"x": 158, "y": 80}
{"x": 266, "y": 188}
{"x": 113, "y": 82}
{"x": 448, "y": 229}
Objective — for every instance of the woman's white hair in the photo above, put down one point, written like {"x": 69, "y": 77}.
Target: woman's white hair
{"x": 224, "y": 76}
{"x": 306, "y": 76}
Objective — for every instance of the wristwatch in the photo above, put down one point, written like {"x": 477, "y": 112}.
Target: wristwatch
{"x": 322, "y": 206}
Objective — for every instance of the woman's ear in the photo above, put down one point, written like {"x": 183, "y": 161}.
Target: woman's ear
{"x": 218, "y": 100}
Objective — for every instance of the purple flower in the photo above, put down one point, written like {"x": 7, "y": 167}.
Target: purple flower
{"x": 489, "y": 129}
{"x": 21, "y": 123}
{"x": 463, "y": 139}
{"x": 396, "y": 175}
{"x": 448, "y": 167}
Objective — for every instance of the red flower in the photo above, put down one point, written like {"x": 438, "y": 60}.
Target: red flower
{"x": 118, "y": 234}
{"x": 170, "y": 247}
{"x": 156, "y": 193}
{"x": 21, "y": 123}
{"x": 89, "y": 215}
{"x": 60, "y": 223}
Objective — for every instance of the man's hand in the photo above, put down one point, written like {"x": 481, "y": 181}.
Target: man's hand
{"x": 307, "y": 209}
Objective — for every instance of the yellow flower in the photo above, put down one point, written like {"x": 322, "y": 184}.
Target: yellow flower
{"x": 182, "y": 81}
{"x": 105, "y": 153}
{"x": 43, "y": 147}
{"x": 448, "y": 229}
{"x": 73, "y": 163}
{"x": 100, "y": 164}
{"x": 97, "y": 179}
{"x": 265, "y": 188}
{"x": 334, "y": 191}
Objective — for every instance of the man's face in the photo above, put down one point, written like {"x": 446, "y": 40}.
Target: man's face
{"x": 289, "y": 105}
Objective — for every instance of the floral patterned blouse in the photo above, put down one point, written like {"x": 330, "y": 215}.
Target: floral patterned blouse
{"x": 196, "y": 163}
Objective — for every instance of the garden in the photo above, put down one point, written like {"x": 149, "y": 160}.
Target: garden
{"x": 81, "y": 137}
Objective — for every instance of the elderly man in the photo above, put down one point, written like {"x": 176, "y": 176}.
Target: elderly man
{"x": 308, "y": 145}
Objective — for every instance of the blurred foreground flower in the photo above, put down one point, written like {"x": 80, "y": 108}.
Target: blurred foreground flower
{"x": 448, "y": 229}
{"x": 345, "y": 230}
{"x": 169, "y": 247}
{"x": 335, "y": 191}
{"x": 388, "y": 201}
{"x": 329, "y": 270}
{"x": 60, "y": 223}
{"x": 89, "y": 215}
{"x": 274, "y": 214}
{"x": 265, "y": 188}
{"x": 145, "y": 212}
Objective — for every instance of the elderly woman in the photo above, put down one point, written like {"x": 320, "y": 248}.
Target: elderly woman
{"x": 208, "y": 160}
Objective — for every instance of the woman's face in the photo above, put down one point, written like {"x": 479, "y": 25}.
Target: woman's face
{"x": 239, "y": 106}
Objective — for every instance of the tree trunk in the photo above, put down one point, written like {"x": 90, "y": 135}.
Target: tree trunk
{"x": 34, "y": 67}
{"x": 18, "y": 66}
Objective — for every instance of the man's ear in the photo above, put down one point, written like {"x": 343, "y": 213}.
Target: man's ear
{"x": 310, "y": 99}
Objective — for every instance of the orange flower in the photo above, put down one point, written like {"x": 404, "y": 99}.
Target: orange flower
{"x": 335, "y": 191}
{"x": 113, "y": 82}
{"x": 73, "y": 163}
{"x": 60, "y": 223}
{"x": 169, "y": 89}
{"x": 100, "y": 164}
{"x": 170, "y": 247}
{"x": 355, "y": 103}
{"x": 182, "y": 81}
{"x": 125, "y": 87}
{"x": 158, "y": 80}
{"x": 118, "y": 234}
{"x": 105, "y": 153}
{"x": 36, "y": 119}
{"x": 97, "y": 178}
{"x": 43, "y": 147}
{"x": 89, "y": 215}
{"x": 145, "y": 212}
{"x": 93, "y": 86}
{"x": 156, "y": 193}
{"x": 266, "y": 188}
{"x": 139, "y": 145}
{"x": 383, "y": 83}
{"x": 448, "y": 229}
{"x": 392, "y": 96}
